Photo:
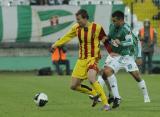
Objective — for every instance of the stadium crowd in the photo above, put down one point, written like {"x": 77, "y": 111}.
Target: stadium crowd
{"x": 32, "y": 2}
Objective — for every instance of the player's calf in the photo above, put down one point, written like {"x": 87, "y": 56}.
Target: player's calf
{"x": 110, "y": 99}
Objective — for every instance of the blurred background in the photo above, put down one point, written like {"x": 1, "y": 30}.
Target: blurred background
{"x": 29, "y": 27}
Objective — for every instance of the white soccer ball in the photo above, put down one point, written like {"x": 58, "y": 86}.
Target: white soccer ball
{"x": 41, "y": 99}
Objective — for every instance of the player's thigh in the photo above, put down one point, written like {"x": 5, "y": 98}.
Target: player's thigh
{"x": 108, "y": 60}
{"x": 92, "y": 63}
{"x": 136, "y": 75}
{"x": 108, "y": 71}
{"x": 112, "y": 64}
{"x": 92, "y": 73}
{"x": 80, "y": 70}
{"x": 75, "y": 82}
{"x": 131, "y": 65}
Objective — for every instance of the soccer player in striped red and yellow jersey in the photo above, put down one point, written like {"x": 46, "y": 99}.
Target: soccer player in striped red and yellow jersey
{"x": 89, "y": 34}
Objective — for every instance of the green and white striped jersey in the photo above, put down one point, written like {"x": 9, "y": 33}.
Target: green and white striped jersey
{"x": 129, "y": 42}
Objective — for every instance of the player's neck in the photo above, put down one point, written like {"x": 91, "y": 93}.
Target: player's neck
{"x": 87, "y": 24}
{"x": 122, "y": 23}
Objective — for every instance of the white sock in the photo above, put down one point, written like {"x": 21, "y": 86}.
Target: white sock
{"x": 101, "y": 81}
{"x": 143, "y": 88}
{"x": 114, "y": 87}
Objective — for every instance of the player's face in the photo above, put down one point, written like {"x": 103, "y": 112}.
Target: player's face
{"x": 116, "y": 22}
{"x": 81, "y": 21}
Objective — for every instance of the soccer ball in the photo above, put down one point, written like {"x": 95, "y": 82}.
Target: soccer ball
{"x": 41, "y": 99}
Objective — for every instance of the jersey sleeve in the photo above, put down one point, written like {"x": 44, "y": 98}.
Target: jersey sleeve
{"x": 67, "y": 37}
{"x": 139, "y": 49}
{"x": 107, "y": 46}
{"x": 101, "y": 34}
{"x": 128, "y": 37}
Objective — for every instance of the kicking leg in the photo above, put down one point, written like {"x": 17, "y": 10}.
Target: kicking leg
{"x": 113, "y": 84}
{"x": 77, "y": 86}
{"x": 110, "y": 95}
{"x": 92, "y": 78}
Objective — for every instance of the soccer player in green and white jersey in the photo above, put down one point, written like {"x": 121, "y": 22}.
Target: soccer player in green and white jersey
{"x": 123, "y": 45}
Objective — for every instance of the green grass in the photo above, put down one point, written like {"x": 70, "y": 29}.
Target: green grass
{"x": 18, "y": 89}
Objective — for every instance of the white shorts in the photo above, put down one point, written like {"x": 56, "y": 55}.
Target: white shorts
{"x": 121, "y": 62}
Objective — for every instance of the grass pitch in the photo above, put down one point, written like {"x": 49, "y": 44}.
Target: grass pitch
{"x": 18, "y": 89}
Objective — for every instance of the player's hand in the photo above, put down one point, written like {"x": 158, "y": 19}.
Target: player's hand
{"x": 112, "y": 54}
{"x": 139, "y": 61}
{"x": 114, "y": 43}
{"x": 117, "y": 41}
{"x": 52, "y": 49}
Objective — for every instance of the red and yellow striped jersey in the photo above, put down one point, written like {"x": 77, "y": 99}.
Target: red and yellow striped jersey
{"x": 89, "y": 39}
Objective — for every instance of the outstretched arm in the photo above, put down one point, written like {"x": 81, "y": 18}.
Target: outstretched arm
{"x": 139, "y": 49}
{"x": 138, "y": 53}
{"x": 105, "y": 40}
{"x": 66, "y": 38}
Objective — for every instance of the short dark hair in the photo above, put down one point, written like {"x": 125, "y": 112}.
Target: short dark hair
{"x": 83, "y": 13}
{"x": 118, "y": 14}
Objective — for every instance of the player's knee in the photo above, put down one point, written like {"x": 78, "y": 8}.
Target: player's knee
{"x": 108, "y": 71}
{"x": 138, "y": 79}
{"x": 136, "y": 76}
{"x": 73, "y": 87}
